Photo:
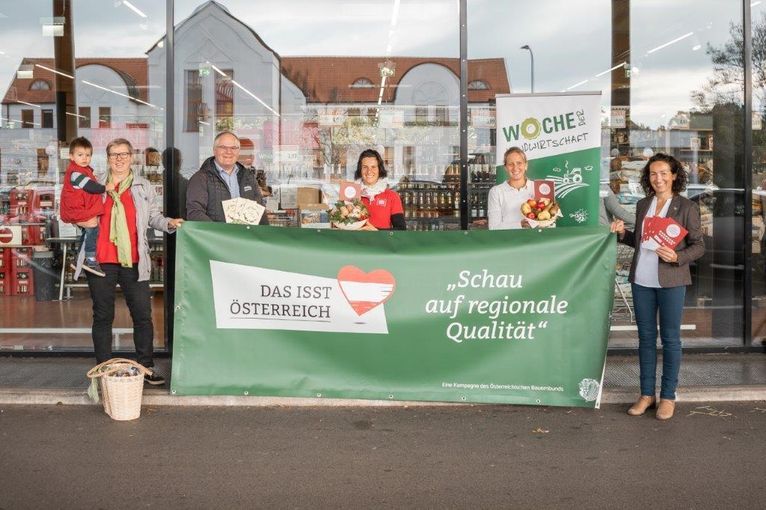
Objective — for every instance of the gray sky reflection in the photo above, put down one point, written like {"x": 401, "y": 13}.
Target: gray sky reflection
{"x": 571, "y": 40}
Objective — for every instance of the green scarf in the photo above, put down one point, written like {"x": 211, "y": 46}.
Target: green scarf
{"x": 118, "y": 229}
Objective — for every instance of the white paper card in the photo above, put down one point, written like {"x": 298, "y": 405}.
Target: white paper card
{"x": 242, "y": 211}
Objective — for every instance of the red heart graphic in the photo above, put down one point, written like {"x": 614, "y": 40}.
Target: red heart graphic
{"x": 365, "y": 291}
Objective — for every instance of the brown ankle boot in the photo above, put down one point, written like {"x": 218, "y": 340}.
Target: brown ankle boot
{"x": 665, "y": 409}
{"x": 641, "y": 405}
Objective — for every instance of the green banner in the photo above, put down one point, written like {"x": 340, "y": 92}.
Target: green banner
{"x": 517, "y": 316}
{"x": 561, "y": 135}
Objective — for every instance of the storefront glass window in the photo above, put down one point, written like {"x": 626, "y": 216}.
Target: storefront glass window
{"x": 56, "y": 79}
{"x": 663, "y": 90}
{"x": 758, "y": 27}
{"x": 308, "y": 85}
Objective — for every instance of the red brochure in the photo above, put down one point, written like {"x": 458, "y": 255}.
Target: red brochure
{"x": 350, "y": 191}
{"x": 647, "y": 228}
{"x": 662, "y": 232}
{"x": 544, "y": 189}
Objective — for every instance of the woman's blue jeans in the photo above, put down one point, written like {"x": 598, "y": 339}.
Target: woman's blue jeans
{"x": 668, "y": 303}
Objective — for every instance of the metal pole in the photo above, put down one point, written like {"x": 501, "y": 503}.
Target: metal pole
{"x": 531, "y": 67}
{"x": 747, "y": 68}
{"x": 170, "y": 178}
{"x": 464, "y": 192}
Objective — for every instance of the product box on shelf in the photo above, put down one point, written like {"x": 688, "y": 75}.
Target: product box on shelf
{"x": 32, "y": 235}
{"x": 5, "y": 270}
{"x": 283, "y": 218}
{"x": 22, "y": 282}
{"x": 19, "y": 202}
{"x": 296, "y": 197}
{"x": 41, "y": 203}
{"x": 307, "y": 196}
{"x": 314, "y": 216}
{"x": 21, "y": 258}
{"x": 5, "y": 258}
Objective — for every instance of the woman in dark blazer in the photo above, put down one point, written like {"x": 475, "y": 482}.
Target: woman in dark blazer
{"x": 659, "y": 276}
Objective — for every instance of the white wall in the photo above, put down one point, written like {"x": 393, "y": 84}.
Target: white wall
{"x": 211, "y": 35}
{"x": 428, "y": 85}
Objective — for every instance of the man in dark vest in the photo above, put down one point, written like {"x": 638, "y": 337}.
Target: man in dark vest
{"x": 221, "y": 178}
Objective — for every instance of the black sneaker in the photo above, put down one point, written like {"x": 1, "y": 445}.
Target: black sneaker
{"x": 155, "y": 379}
{"x": 92, "y": 266}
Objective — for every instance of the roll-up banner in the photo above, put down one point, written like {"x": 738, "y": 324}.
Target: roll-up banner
{"x": 518, "y": 316}
{"x": 561, "y": 136}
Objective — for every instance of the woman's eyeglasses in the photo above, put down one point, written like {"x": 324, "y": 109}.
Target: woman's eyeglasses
{"x": 119, "y": 155}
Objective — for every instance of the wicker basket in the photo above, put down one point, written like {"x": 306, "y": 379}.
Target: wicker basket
{"x": 121, "y": 395}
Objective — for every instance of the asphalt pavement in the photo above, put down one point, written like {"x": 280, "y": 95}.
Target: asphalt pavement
{"x": 473, "y": 456}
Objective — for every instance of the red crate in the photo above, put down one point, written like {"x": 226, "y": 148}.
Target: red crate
{"x": 20, "y": 279}
{"x": 20, "y": 203}
{"x": 21, "y": 259}
{"x": 5, "y": 286}
{"x": 41, "y": 202}
{"x": 5, "y": 259}
{"x": 22, "y": 283}
{"x": 32, "y": 235}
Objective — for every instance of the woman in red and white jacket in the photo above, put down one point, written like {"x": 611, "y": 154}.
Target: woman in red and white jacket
{"x": 383, "y": 203}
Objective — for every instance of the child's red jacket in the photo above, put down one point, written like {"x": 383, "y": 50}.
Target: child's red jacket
{"x": 77, "y": 204}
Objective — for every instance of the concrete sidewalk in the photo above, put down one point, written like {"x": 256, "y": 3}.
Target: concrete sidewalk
{"x": 61, "y": 380}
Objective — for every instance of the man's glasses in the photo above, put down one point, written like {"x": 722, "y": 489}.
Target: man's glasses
{"x": 228, "y": 148}
{"x": 119, "y": 155}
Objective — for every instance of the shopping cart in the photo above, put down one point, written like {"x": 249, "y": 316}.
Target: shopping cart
{"x": 622, "y": 309}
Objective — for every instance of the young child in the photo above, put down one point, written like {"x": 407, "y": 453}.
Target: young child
{"x": 81, "y": 198}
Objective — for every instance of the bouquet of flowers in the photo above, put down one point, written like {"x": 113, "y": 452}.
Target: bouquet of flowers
{"x": 349, "y": 215}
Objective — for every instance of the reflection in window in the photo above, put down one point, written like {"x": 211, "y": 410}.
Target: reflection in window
{"x": 224, "y": 101}
{"x": 104, "y": 117}
{"x": 27, "y": 118}
{"x": 42, "y": 163}
{"x": 362, "y": 83}
{"x": 194, "y": 108}
{"x": 421, "y": 114}
{"x": 40, "y": 85}
{"x": 442, "y": 116}
{"x": 388, "y": 157}
{"x": 47, "y": 118}
{"x": 478, "y": 85}
{"x": 83, "y": 117}
{"x": 409, "y": 159}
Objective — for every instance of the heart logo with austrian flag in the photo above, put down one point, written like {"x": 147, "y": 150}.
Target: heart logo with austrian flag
{"x": 365, "y": 291}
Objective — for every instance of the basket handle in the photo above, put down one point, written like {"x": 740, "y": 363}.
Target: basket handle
{"x": 105, "y": 368}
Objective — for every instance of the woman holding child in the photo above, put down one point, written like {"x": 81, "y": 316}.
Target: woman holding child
{"x": 122, "y": 252}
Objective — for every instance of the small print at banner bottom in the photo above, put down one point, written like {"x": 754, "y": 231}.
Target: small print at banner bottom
{"x": 518, "y": 316}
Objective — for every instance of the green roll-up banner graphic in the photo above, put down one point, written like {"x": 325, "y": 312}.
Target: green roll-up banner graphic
{"x": 561, "y": 136}
{"x": 518, "y": 316}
